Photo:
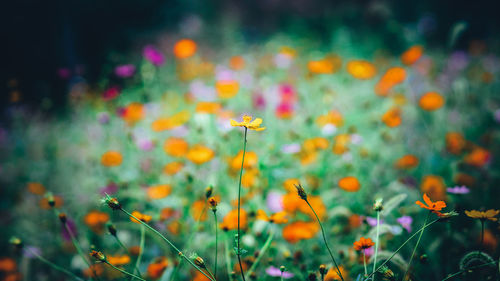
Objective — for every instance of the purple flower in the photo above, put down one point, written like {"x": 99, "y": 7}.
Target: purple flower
{"x": 405, "y": 222}
{"x": 153, "y": 55}
{"x": 373, "y": 221}
{"x": 276, "y": 272}
{"x": 111, "y": 188}
{"x": 64, "y": 73}
{"x": 274, "y": 202}
{"x": 145, "y": 144}
{"x": 496, "y": 115}
{"x": 125, "y": 70}
{"x": 31, "y": 252}
{"x": 458, "y": 189}
{"x": 111, "y": 93}
{"x": 103, "y": 117}
{"x": 72, "y": 227}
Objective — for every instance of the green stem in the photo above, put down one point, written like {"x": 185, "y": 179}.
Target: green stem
{"x": 376, "y": 246}
{"x": 168, "y": 242}
{"x": 216, "y": 243}
{"x": 239, "y": 202}
{"x": 462, "y": 271}
{"x": 78, "y": 248}
{"x": 141, "y": 247}
{"x": 402, "y": 245}
{"x": 415, "y": 248}
{"x": 364, "y": 262}
{"x": 324, "y": 239}
{"x": 126, "y": 251}
{"x": 54, "y": 266}
{"x": 124, "y": 272}
{"x": 262, "y": 251}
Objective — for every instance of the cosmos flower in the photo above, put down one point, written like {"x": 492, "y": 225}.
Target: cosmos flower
{"x": 276, "y": 272}
{"x": 405, "y": 222}
{"x": 488, "y": 215}
{"x": 458, "y": 189}
{"x": 432, "y": 206}
{"x": 154, "y": 56}
{"x": 363, "y": 244}
{"x": 125, "y": 70}
{"x": 248, "y": 123}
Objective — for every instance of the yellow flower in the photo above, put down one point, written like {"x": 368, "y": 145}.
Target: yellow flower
{"x": 488, "y": 215}
{"x": 248, "y": 123}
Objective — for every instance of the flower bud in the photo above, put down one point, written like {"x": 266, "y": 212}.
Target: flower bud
{"x": 63, "y": 218}
{"x": 208, "y": 191}
{"x": 99, "y": 256}
{"x": 302, "y": 193}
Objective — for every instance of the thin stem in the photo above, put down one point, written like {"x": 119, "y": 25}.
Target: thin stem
{"x": 78, "y": 248}
{"x": 482, "y": 234}
{"x": 281, "y": 277}
{"x": 54, "y": 266}
{"x": 141, "y": 247}
{"x": 239, "y": 203}
{"x": 126, "y": 251}
{"x": 416, "y": 246}
{"x": 124, "y": 272}
{"x": 364, "y": 262}
{"x": 262, "y": 251}
{"x": 376, "y": 246}
{"x": 168, "y": 242}
{"x": 467, "y": 269}
{"x": 324, "y": 239}
{"x": 402, "y": 245}
{"x": 216, "y": 244}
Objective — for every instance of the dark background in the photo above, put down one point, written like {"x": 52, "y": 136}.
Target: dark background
{"x": 42, "y": 36}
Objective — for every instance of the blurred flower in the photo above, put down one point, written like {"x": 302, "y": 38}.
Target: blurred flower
{"x": 361, "y": 69}
{"x": 96, "y": 221}
{"x": 142, "y": 217}
{"x": 488, "y": 215}
{"x": 411, "y": 55}
{"x": 406, "y": 162}
{"x": 111, "y": 188}
{"x": 36, "y": 188}
{"x": 154, "y": 56}
{"x": 478, "y": 157}
{"x": 290, "y": 148}
{"x": 455, "y": 142}
{"x": 111, "y": 93}
{"x": 458, "y": 189}
{"x": 405, "y": 222}
{"x": 111, "y": 158}
{"x": 158, "y": 191}
{"x": 230, "y": 221}
{"x": 70, "y": 224}
{"x": 350, "y": 184}
{"x": 391, "y": 78}
{"x": 248, "y": 123}
{"x": 199, "y": 154}
{"x": 431, "y": 101}
{"x": 274, "y": 202}
{"x": 184, "y": 48}
{"x": 299, "y": 230}
{"x": 103, "y": 117}
{"x": 276, "y": 272}
{"x": 434, "y": 186}
{"x": 125, "y": 70}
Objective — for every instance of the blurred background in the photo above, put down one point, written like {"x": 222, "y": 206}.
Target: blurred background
{"x": 47, "y": 40}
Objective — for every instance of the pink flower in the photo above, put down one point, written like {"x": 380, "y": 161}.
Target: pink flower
{"x": 110, "y": 93}
{"x": 154, "y": 56}
{"x": 276, "y": 272}
{"x": 125, "y": 70}
{"x": 405, "y": 222}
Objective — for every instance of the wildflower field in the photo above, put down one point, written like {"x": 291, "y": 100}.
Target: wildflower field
{"x": 282, "y": 160}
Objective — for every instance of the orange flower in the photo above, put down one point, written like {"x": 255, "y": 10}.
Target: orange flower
{"x": 251, "y": 160}
{"x": 111, "y": 158}
{"x": 340, "y": 144}
{"x": 156, "y": 268}
{"x": 455, "y": 142}
{"x": 433, "y": 206}
{"x": 199, "y": 210}
{"x": 227, "y": 88}
{"x": 314, "y": 144}
{"x": 478, "y": 157}
{"x": 208, "y": 107}
{"x": 171, "y": 122}
{"x": 167, "y": 213}
{"x": 159, "y": 191}
{"x": 289, "y": 185}
{"x": 184, "y": 48}
{"x": 44, "y": 202}
{"x": 141, "y": 217}
{"x": 200, "y": 277}
{"x": 200, "y": 154}
{"x": 230, "y": 221}
{"x": 118, "y": 260}
{"x": 488, "y": 215}
{"x": 333, "y": 117}
{"x": 391, "y": 78}
{"x": 406, "y": 162}
{"x": 94, "y": 270}
{"x": 36, "y": 188}
{"x": 434, "y": 186}
{"x": 299, "y": 230}
{"x": 277, "y": 218}
{"x": 332, "y": 274}
{"x": 7, "y": 265}
{"x": 249, "y": 178}
{"x": 96, "y": 220}
{"x": 237, "y": 62}
{"x": 133, "y": 112}
{"x": 174, "y": 227}
{"x": 173, "y": 168}
{"x": 392, "y": 117}
{"x": 327, "y": 65}
{"x": 176, "y": 147}
{"x": 355, "y": 221}
{"x": 350, "y": 184}
{"x": 431, "y": 101}
{"x": 363, "y": 244}
{"x": 361, "y": 69}
{"x": 411, "y": 55}
{"x": 464, "y": 179}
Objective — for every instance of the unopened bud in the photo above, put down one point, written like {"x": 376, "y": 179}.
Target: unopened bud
{"x": 63, "y": 218}
{"x": 322, "y": 269}
{"x": 300, "y": 190}
{"x": 99, "y": 256}
{"x": 208, "y": 191}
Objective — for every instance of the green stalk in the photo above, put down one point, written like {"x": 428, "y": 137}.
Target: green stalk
{"x": 79, "y": 249}
{"x": 141, "y": 247}
{"x": 364, "y": 262}
{"x": 376, "y": 245}
{"x": 168, "y": 242}
{"x": 55, "y": 266}
{"x": 239, "y": 202}
{"x": 462, "y": 271}
{"x": 402, "y": 245}
{"x": 415, "y": 248}
{"x": 324, "y": 239}
{"x": 262, "y": 251}
{"x": 216, "y": 243}
{"x": 124, "y": 272}
{"x": 228, "y": 259}
{"x": 126, "y": 251}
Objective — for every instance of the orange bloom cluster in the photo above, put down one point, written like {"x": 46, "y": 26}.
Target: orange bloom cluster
{"x": 300, "y": 230}
{"x": 363, "y": 243}
{"x": 391, "y": 78}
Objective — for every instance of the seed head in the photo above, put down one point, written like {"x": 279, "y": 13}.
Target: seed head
{"x": 112, "y": 202}
{"x": 213, "y": 203}
{"x": 208, "y": 191}
{"x": 111, "y": 229}
{"x": 377, "y": 206}
{"x": 302, "y": 193}
{"x": 322, "y": 269}
{"x": 99, "y": 256}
